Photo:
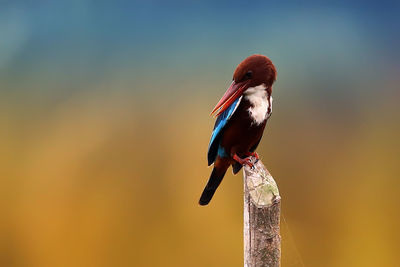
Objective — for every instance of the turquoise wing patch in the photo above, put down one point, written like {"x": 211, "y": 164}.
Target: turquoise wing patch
{"x": 214, "y": 148}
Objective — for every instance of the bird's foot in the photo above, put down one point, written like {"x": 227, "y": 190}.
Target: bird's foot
{"x": 253, "y": 154}
{"x": 245, "y": 161}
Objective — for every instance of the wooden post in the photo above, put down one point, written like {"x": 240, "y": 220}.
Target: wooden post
{"x": 262, "y": 241}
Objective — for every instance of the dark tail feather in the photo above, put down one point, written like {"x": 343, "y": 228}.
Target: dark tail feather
{"x": 236, "y": 167}
{"x": 212, "y": 185}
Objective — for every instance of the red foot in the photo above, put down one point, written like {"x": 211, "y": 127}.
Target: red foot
{"x": 245, "y": 161}
{"x": 252, "y": 154}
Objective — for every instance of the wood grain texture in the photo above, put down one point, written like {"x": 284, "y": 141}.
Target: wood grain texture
{"x": 262, "y": 240}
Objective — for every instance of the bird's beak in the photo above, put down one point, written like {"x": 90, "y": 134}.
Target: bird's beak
{"x": 233, "y": 93}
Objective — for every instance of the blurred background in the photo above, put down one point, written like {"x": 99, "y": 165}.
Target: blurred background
{"x": 105, "y": 126}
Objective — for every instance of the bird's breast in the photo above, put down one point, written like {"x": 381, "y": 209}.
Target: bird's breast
{"x": 260, "y": 104}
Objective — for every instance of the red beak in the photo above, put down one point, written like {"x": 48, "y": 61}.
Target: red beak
{"x": 233, "y": 93}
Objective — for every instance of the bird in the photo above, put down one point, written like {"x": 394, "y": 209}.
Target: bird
{"x": 242, "y": 114}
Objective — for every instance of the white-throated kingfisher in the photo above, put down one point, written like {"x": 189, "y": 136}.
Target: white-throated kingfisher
{"x": 242, "y": 113}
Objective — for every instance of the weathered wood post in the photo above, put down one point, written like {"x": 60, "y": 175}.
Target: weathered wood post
{"x": 262, "y": 203}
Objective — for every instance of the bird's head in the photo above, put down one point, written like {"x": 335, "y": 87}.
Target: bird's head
{"x": 254, "y": 73}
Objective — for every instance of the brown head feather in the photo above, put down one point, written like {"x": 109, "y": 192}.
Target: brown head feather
{"x": 258, "y": 69}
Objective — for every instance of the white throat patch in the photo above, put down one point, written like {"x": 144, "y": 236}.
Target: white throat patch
{"x": 261, "y": 106}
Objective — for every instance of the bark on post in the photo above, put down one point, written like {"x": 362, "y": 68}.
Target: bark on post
{"x": 262, "y": 241}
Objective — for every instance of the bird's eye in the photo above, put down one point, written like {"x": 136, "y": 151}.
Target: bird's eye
{"x": 249, "y": 74}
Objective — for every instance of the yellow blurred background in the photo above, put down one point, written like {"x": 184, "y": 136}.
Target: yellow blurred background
{"x": 105, "y": 127}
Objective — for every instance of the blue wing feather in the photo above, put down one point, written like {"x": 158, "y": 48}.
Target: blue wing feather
{"x": 214, "y": 147}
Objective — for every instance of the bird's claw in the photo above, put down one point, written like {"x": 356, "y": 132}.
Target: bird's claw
{"x": 247, "y": 161}
{"x": 253, "y": 154}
